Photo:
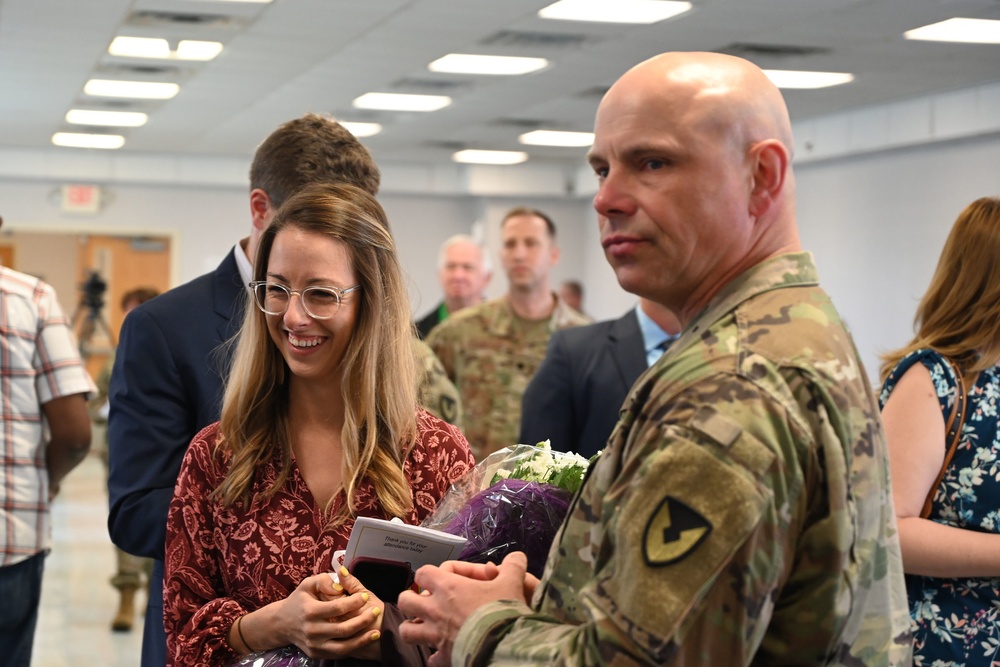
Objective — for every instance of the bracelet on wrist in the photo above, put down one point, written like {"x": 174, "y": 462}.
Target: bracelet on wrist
{"x": 239, "y": 631}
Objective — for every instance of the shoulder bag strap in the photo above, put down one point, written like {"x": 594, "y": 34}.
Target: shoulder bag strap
{"x": 953, "y": 434}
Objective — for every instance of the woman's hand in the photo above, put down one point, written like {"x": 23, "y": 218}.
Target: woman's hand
{"x": 324, "y": 619}
{"x": 343, "y": 583}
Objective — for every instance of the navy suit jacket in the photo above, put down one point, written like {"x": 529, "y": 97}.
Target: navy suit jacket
{"x": 574, "y": 398}
{"x": 165, "y": 387}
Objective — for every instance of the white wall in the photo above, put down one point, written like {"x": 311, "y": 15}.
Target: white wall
{"x": 206, "y": 221}
{"x": 876, "y": 224}
{"x": 878, "y": 190}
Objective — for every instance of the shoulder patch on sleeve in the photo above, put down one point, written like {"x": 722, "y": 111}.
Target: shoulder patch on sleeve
{"x": 673, "y": 532}
{"x": 680, "y": 523}
{"x": 449, "y": 409}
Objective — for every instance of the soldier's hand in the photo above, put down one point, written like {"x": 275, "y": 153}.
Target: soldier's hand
{"x": 480, "y": 571}
{"x": 449, "y": 597}
{"x": 530, "y": 584}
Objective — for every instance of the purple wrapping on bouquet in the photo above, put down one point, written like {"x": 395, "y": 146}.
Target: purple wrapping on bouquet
{"x": 289, "y": 656}
{"x": 511, "y": 515}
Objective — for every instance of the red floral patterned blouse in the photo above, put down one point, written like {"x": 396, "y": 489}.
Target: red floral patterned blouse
{"x": 224, "y": 562}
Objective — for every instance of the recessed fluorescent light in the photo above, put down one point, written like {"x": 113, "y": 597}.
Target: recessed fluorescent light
{"x": 193, "y": 49}
{"x": 139, "y": 47}
{"x": 620, "y": 11}
{"x": 154, "y": 47}
{"x": 972, "y": 31}
{"x": 464, "y": 63}
{"x": 401, "y": 102}
{"x": 361, "y": 129}
{"x": 137, "y": 89}
{"x": 489, "y": 157}
{"x": 106, "y": 118}
{"x": 74, "y": 140}
{"x": 556, "y": 138}
{"x": 784, "y": 78}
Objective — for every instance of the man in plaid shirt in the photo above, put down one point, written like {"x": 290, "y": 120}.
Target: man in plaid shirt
{"x": 44, "y": 433}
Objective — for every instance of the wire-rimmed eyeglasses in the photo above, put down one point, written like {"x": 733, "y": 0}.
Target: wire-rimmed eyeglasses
{"x": 320, "y": 303}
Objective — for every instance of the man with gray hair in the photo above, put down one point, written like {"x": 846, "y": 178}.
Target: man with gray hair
{"x": 464, "y": 271}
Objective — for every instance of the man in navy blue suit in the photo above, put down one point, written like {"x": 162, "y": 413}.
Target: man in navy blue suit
{"x": 167, "y": 379}
{"x": 574, "y": 398}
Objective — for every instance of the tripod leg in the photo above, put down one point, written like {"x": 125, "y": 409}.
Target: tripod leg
{"x": 103, "y": 324}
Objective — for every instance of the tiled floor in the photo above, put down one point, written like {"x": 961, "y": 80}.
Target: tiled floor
{"x": 78, "y": 603}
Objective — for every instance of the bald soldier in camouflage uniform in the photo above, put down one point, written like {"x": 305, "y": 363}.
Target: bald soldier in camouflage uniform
{"x": 492, "y": 350}
{"x": 742, "y": 512}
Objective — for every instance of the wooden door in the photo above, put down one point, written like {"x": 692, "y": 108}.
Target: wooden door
{"x": 7, "y": 256}
{"x": 122, "y": 263}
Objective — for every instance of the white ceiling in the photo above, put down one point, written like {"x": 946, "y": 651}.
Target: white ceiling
{"x": 293, "y": 56}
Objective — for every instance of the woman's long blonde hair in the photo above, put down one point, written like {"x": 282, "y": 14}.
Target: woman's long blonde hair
{"x": 379, "y": 385}
{"x": 959, "y": 316}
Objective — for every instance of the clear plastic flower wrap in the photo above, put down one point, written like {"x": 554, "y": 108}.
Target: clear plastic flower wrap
{"x": 513, "y": 500}
{"x": 289, "y": 656}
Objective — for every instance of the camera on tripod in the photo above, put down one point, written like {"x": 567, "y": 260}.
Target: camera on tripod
{"x": 87, "y": 320}
{"x": 93, "y": 290}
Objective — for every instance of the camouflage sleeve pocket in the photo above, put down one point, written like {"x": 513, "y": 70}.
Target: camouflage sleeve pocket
{"x": 682, "y": 519}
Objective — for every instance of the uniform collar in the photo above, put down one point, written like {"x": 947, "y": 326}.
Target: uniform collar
{"x": 787, "y": 270}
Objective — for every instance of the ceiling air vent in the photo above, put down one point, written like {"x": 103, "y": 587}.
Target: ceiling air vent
{"x": 428, "y": 86}
{"x": 146, "y": 72}
{"x": 359, "y": 115}
{"x": 536, "y": 40}
{"x": 751, "y": 51}
{"x": 523, "y": 123}
{"x": 116, "y": 104}
{"x": 446, "y": 145}
{"x": 159, "y": 19}
{"x": 597, "y": 92}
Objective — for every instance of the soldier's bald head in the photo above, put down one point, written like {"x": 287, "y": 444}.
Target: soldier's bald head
{"x": 723, "y": 92}
{"x": 698, "y": 146}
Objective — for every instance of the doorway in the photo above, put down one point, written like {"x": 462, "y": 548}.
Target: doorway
{"x": 77, "y": 264}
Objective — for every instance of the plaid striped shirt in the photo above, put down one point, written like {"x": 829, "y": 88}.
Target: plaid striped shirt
{"x": 39, "y": 362}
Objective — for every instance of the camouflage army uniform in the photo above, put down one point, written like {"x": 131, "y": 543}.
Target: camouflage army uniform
{"x": 741, "y": 514}
{"x": 491, "y": 355}
{"x": 436, "y": 393}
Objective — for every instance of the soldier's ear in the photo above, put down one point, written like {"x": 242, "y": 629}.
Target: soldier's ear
{"x": 768, "y": 162}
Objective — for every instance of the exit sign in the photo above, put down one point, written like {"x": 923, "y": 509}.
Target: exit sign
{"x": 81, "y": 198}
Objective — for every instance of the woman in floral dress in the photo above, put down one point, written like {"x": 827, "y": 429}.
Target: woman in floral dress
{"x": 952, "y": 558}
{"x": 319, "y": 425}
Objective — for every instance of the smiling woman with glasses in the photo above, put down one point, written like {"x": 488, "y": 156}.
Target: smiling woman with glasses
{"x": 319, "y": 425}
{"x": 320, "y": 303}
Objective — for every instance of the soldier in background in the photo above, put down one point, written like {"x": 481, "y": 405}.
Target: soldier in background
{"x": 128, "y": 579}
{"x": 742, "y": 511}
{"x": 435, "y": 392}
{"x": 491, "y": 351}
{"x": 571, "y": 291}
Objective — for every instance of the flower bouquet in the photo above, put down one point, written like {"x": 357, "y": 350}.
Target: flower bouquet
{"x": 513, "y": 500}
